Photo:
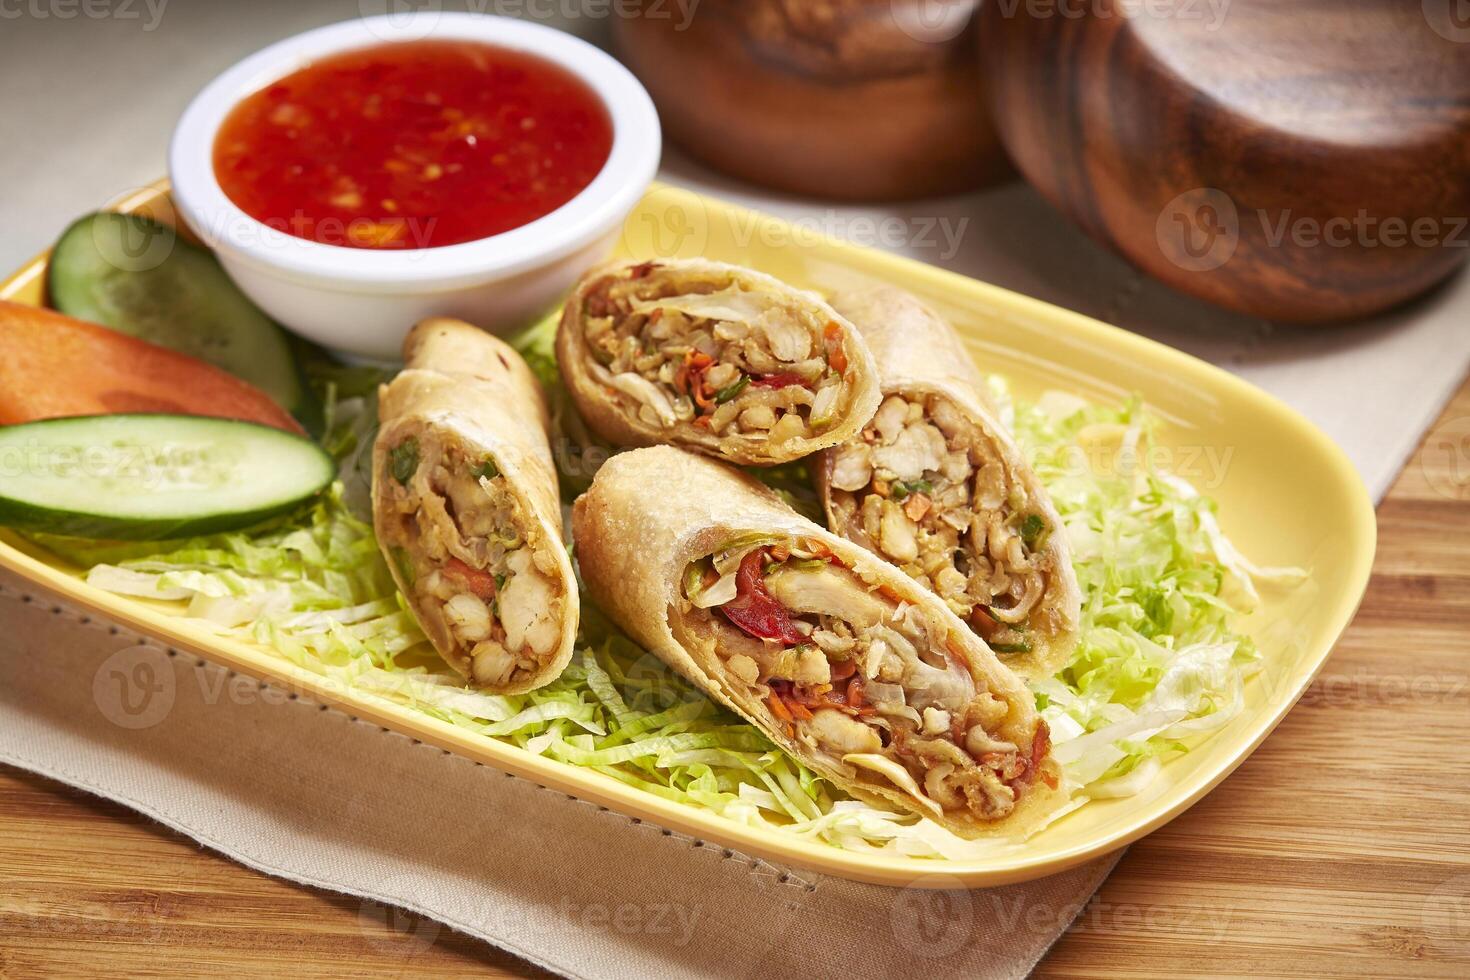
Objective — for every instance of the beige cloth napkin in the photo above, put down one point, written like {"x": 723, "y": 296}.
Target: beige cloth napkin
{"x": 308, "y": 794}
{"x": 305, "y": 792}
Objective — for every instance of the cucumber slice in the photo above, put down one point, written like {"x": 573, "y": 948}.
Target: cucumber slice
{"x": 138, "y": 277}
{"x": 146, "y": 477}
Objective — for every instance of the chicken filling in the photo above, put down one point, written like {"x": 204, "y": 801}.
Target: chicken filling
{"x": 866, "y": 681}
{"x": 705, "y": 352}
{"x": 482, "y": 578}
{"x": 925, "y": 488}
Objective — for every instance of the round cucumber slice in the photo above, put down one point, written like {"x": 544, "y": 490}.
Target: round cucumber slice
{"x": 146, "y": 477}
{"x": 140, "y": 278}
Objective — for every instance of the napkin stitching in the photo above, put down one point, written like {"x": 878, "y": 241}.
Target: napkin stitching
{"x": 755, "y": 867}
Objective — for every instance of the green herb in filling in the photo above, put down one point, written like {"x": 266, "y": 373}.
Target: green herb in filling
{"x": 898, "y": 490}
{"x": 1032, "y": 530}
{"x": 403, "y": 460}
{"x": 694, "y": 579}
{"x": 731, "y": 390}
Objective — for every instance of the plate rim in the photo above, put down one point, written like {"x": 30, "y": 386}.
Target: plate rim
{"x": 755, "y": 842}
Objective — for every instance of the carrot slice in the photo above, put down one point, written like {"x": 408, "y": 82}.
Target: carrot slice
{"x": 778, "y": 707}
{"x": 55, "y": 366}
{"x": 799, "y": 711}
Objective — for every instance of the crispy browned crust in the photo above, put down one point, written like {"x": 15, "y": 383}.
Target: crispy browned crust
{"x": 614, "y": 416}
{"x": 918, "y": 353}
{"x": 464, "y": 387}
{"x": 651, "y": 512}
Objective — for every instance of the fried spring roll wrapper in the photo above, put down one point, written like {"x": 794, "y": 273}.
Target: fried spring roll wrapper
{"x": 466, "y": 508}
{"x": 715, "y": 358}
{"x": 936, "y": 484}
{"x": 865, "y": 676}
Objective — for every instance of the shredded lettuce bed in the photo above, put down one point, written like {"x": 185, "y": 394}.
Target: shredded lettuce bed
{"x": 1159, "y": 661}
{"x": 1158, "y": 666}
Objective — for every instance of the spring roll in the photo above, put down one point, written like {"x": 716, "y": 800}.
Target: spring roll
{"x": 467, "y": 512}
{"x": 714, "y": 358}
{"x": 935, "y": 484}
{"x": 841, "y": 659}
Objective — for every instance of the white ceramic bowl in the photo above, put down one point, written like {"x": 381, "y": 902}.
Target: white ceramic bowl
{"x": 362, "y": 301}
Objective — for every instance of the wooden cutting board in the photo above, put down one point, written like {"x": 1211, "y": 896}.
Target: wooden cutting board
{"x": 1299, "y": 864}
{"x": 1299, "y": 160}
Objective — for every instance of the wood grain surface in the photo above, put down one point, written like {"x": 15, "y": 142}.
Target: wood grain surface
{"x": 1341, "y": 848}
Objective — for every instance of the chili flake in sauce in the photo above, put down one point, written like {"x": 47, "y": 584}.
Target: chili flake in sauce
{"x": 413, "y": 145}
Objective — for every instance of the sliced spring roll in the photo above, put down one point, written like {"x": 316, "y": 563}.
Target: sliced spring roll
{"x": 935, "y": 484}
{"x": 845, "y": 662}
{"x": 715, "y": 358}
{"x": 466, "y": 508}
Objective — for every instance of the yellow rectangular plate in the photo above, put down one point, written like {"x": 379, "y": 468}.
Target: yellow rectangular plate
{"x": 1287, "y": 496}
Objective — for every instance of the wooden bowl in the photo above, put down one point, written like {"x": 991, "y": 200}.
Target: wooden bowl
{"x": 846, "y": 99}
{"x": 1305, "y": 161}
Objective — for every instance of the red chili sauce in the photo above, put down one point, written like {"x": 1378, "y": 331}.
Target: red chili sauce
{"x": 413, "y": 145}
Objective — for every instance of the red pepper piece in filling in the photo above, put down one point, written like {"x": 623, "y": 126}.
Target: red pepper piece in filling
{"x": 836, "y": 354}
{"x": 1040, "y": 746}
{"x": 754, "y": 610}
{"x": 783, "y": 380}
{"x": 478, "y": 581}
